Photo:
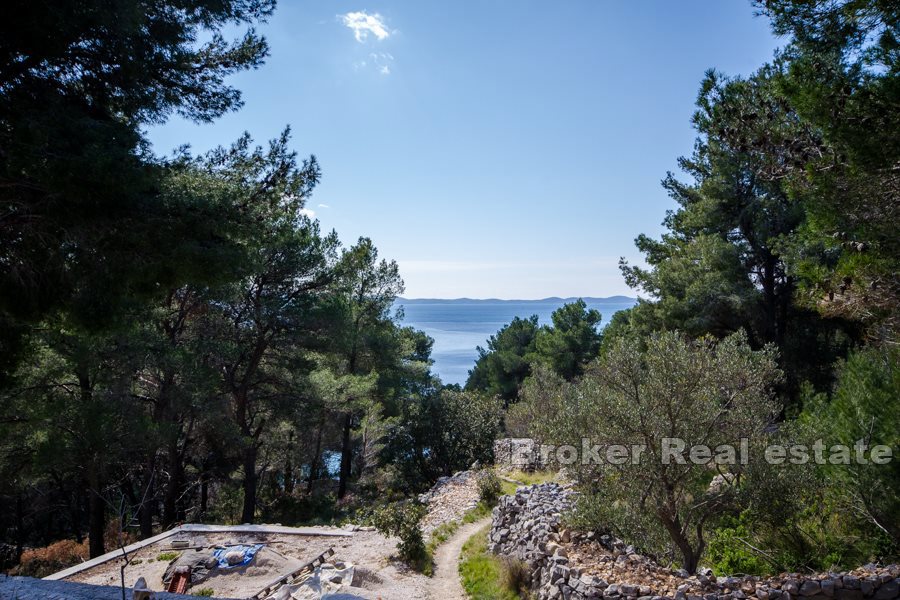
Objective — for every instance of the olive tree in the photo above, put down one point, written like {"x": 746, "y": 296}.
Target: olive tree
{"x": 680, "y": 410}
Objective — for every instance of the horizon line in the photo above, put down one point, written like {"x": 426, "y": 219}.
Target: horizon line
{"x": 466, "y": 298}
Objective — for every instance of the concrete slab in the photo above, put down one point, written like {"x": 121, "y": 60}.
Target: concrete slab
{"x": 198, "y": 528}
{"x": 40, "y": 589}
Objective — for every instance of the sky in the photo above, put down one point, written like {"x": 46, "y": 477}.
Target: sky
{"x": 494, "y": 149}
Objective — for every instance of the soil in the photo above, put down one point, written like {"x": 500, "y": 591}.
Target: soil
{"x": 380, "y": 577}
{"x": 445, "y": 585}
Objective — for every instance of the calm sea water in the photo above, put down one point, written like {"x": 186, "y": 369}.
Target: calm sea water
{"x": 460, "y": 326}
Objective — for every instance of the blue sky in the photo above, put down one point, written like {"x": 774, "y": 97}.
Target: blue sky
{"x": 505, "y": 149}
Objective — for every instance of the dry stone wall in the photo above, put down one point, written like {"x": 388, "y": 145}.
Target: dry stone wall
{"x": 449, "y": 499}
{"x": 587, "y": 565}
{"x": 518, "y": 454}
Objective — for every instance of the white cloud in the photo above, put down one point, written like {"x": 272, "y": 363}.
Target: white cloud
{"x": 363, "y": 24}
{"x": 379, "y": 61}
{"x": 324, "y": 206}
{"x": 308, "y": 213}
{"x": 382, "y": 61}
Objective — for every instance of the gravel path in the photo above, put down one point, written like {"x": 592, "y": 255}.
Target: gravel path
{"x": 445, "y": 585}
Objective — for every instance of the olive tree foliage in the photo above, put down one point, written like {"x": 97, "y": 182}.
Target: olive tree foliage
{"x": 542, "y": 402}
{"x": 701, "y": 393}
{"x": 465, "y": 425}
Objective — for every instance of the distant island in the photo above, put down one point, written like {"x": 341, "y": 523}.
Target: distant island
{"x": 555, "y": 299}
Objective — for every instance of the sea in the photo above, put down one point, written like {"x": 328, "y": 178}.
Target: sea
{"x": 459, "y": 326}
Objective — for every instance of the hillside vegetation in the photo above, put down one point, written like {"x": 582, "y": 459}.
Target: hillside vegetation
{"x": 179, "y": 341}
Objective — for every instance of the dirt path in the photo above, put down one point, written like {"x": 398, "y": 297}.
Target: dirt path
{"x": 444, "y": 585}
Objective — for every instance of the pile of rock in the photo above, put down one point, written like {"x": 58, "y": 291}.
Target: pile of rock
{"x": 449, "y": 499}
{"x": 576, "y": 565}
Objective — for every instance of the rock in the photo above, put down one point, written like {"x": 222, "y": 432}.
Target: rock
{"x": 888, "y": 590}
{"x": 559, "y": 572}
{"x": 140, "y": 590}
{"x": 810, "y": 588}
{"x": 449, "y": 499}
{"x": 848, "y": 594}
{"x": 564, "y": 563}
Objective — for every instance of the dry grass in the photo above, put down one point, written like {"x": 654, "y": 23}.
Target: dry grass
{"x": 515, "y": 576}
{"x": 532, "y": 478}
{"x": 40, "y": 562}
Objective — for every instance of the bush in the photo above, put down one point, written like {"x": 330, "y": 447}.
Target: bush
{"x": 401, "y": 520}
{"x": 729, "y": 552}
{"x": 60, "y": 555}
{"x": 701, "y": 392}
{"x": 515, "y": 576}
{"x": 490, "y": 488}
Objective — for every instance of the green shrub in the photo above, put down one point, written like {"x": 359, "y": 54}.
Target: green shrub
{"x": 167, "y": 556}
{"x": 205, "y": 592}
{"x": 401, "y": 520}
{"x": 490, "y": 488}
{"x": 480, "y": 511}
{"x": 729, "y": 552}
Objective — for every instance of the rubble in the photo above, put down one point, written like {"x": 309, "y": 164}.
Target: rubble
{"x": 581, "y": 565}
{"x": 449, "y": 499}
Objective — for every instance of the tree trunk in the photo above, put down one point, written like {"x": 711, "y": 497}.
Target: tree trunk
{"x": 314, "y": 463}
{"x": 174, "y": 487}
{"x": 96, "y": 516}
{"x": 204, "y": 495}
{"x": 689, "y": 556}
{"x": 248, "y": 514}
{"x": 346, "y": 457}
{"x": 20, "y": 525}
{"x": 77, "y": 511}
{"x": 288, "y": 466}
{"x": 145, "y": 516}
{"x": 147, "y": 501}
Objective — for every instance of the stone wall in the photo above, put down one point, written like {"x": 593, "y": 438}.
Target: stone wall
{"x": 576, "y": 565}
{"x": 521, "y": 454}
{"x": 449, "y": 499}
